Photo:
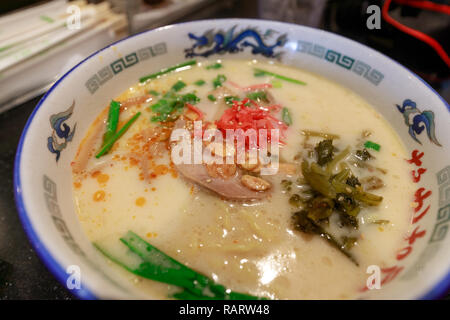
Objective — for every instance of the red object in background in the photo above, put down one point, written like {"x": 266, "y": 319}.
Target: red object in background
{"x": 427, "y": 5}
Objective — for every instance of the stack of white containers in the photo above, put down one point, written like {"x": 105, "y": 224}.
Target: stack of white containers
{"x": 39, "y": 44}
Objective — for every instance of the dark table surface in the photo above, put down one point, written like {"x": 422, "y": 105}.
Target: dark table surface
{"x": 28, "y": 278}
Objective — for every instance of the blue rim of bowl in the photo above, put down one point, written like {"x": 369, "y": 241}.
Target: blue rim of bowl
{"x": 439, "y": 290}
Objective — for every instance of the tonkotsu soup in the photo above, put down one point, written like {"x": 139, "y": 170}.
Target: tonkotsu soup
{"x": 310, "y": 190}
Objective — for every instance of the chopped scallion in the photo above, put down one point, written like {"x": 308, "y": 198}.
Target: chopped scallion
{"x": 258, "y": 96}
{"x": 260, "y": 73}
{"x": 372, "y": 145}
{"x": 219, "y": 80}
{"x": 199, "y": 82}
{"x": 167, "y": 70}
{"x": 216, "y": 65}
{"x": 178, "y": 86}
{"x": 229, "y": 99}
{"x": 108, "y": 145}
{"x": 112, "y": 121}
{"x": 156, "y": 265}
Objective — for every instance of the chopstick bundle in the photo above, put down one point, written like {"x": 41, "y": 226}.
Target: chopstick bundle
{"x": 36, "y": 30}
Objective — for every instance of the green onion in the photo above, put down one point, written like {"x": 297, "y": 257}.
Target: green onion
{"x": 158, "y": 266}
{"x": 260, "y": 72}
{"x": 372, "y": 145}
{"x": 162, "y": 118}
{"x": 178, "y": 86}
{"x": 217, "y": 82}
{"x": 214, "y": 66}
{"x": 170, "y": 103}
{"x": 112, "y": 121}
{"x": 229, "y": 99}
{"x": 211, "y": 97}
{"x": 163, "y": 106}
{"x": 258, "y": 96}
{"x": 154, "y": 93}
{"x": 199, "y": 82}
{"x": 167, "y": 70}
{"x": 107, "y": 146}
{"x": 286, "y": 116}
{"x": 190, "y": 98}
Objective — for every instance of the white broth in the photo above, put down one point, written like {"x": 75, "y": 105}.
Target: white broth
{"x": 248, "y": 246}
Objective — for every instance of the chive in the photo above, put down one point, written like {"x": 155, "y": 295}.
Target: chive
{"x": 112, "y": 121}
{"x": 154, "y": 93}
{"x": 190, "y": 98}
{"x": 167, "y": 70}
{"x": 166, "y": 269}
{"x": 158, "y": 266}
{"x": 229, "y": 99}
{"x": 217, "y": 82}
{"x": 107, "y": 146}
{"x": 258, "y": 96}
{"x": 214, "y": 66}
{"x": 199, "y": 82}
{"x": 171, "y": 102}
{"x": 260, "y": 72}
{"x": 372, "y": 145}
{"x": 286, "y": 116}
{"x": 178, "y": 86}
{"x": 164, "y": 107}
{"x": 211, "y": 97}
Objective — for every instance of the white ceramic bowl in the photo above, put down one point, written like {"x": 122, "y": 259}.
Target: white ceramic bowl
{"x": 42, "y": 174}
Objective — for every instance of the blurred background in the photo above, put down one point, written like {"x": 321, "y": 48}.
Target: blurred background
{"x": 37, "y": 46}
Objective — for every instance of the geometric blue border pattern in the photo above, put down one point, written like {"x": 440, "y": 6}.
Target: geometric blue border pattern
{"x": 342, "y": 60}
{"x": 117, "y": 66}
